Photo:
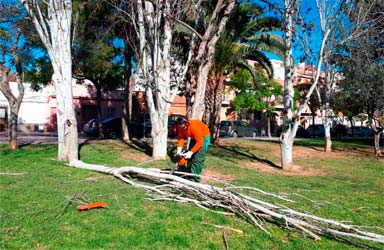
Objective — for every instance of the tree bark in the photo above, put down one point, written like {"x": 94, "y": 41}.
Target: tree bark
{"x": 99, "y": 113}
{"x": 377, "y": 145}
{"x": 213, "y": 102}
{"x": 127, "y": 109}
{"x": 155, "y": 42}
{"x": 377, "y": 129}
{"x": 14, "y": 102}
{"x": 54, "y": 29}
{"x": 286, "y": 139}
{"x": 229, "y": 200}
{"x": 269, "y": 127}
{"x": 206, "y": 53}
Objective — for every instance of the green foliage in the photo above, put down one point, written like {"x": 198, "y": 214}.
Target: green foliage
{"x": 361, "y": 91}
{"x": 346, "y": 187}
{"x": 20, "y": 44}
{"x": 95, "y": 55}
{"x": 244, "y": 37}
{"x": 255, "y": 94}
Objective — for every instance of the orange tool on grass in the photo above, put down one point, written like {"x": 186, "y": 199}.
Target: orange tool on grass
{"x": 99, "y": 204}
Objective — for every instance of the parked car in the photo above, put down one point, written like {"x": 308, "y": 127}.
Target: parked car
{"x": 111, "y": 127}
{"x": 340, "y": 130}
{"x": 316, "y": 130}
{"x": 236, "y": 128}
{"x": 145, "y": 128}
{"x": 139, "y": 128}
{"x": 359, "y": 131}
{"x": 302, "y": 132}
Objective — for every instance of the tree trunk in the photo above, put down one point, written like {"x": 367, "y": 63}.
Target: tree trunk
{"x": 66, "y": 120}
{"x": 377, "y": 129}
{"x": 13, "y": 101}
{"x": 286, "y": 140}
{"x": 206, "y": 53}
{"x": 127, "y": 109}
{"x": 327, "y": 138}
{"x": 218, "y": 101}
{"x": 155, "y": 66}
{"x": 99, "y": 112}
{"x": 213, "y": 102}
{"x": 269, "y": 127}
{"x": 60, "y": 55}
{"x": 327, "y": 126}
{"x": 286, "y": 147}
{"x": 12, "y": 128}
{"x": 377, "y": 145}
{"x": 54, "y": 29}
{"x": 330, "y": 83}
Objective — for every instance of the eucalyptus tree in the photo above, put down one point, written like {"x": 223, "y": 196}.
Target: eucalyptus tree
{"x": 52, "y": 21}
{"x": 161, "y": 66}
{"x": 335, "y": 30}
{"x": 203, "y": 59}
{"x": 245, "y": 37}
{"x": 156, "y": 58}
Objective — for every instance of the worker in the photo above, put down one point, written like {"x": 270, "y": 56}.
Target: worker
{"x": 200, "y": 137}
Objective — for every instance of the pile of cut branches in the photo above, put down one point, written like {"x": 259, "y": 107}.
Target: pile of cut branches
{"x": 226, "y": 200}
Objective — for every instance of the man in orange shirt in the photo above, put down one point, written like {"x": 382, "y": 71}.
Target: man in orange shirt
{"x": 200, "y": 139}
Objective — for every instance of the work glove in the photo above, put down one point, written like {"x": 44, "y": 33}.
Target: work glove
{"x": 187, "y": 155}
{"x": 179, "y": 150}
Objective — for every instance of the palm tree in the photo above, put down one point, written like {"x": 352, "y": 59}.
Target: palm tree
{"x": 245, "y": 37}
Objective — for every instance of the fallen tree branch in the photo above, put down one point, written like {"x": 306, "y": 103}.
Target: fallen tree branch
{"x": 23, "y": 173}
{"x": 224, "y": 227}
{"x": 225, "y": 200}
{"x": 225, "y": 238}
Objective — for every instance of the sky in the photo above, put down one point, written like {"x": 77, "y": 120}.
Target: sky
{"x": 310, "y": 15}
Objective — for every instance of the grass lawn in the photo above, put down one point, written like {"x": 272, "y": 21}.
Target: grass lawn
{"x": 345, "y": 185}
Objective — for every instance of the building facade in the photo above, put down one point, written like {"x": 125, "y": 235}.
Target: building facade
{"x": 38, "y": 108}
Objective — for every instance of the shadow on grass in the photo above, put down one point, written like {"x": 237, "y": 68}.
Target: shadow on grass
{"x": 243, "y": 153}
{"x": 142, "y": 146}
{"x": 81, "y": 145}
{"x": 23, "y": 145}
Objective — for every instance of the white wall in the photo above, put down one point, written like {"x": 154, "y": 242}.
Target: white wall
{"x": 33, "y": 107}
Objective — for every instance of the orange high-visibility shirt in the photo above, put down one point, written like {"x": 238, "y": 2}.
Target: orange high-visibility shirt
{"x": 197, "y": 130}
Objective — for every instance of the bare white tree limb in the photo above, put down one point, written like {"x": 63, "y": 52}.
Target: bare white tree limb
{"x": 175, "y": 188}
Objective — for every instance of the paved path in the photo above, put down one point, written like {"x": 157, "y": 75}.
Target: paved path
{"x": 36, "y": 138}
{"x": 51, "y": 138}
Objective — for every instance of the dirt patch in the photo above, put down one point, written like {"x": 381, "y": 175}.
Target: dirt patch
{"x": 339, "y": 154}
{"x": 295, "y": 170}
{"x": 138, "y": 157}
{"x": 216, "y": 175}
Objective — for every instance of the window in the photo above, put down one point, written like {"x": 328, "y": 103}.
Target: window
{"x": 2, "y": 113}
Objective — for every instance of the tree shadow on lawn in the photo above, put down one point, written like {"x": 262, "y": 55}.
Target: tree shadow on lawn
{"x": 142, "y": 146}
{"x": 242, "y": 153}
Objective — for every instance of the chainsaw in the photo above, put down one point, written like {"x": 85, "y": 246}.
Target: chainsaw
{"x": 180, "y": 162}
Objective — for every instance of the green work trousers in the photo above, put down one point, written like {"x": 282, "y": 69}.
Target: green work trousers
{"x": 196, "y": 163}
